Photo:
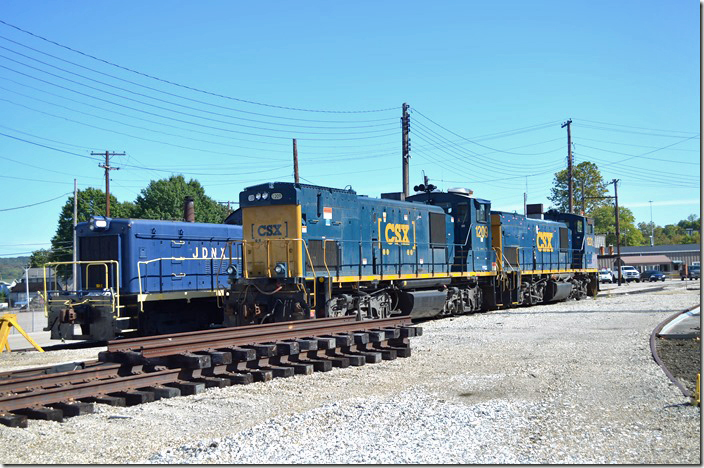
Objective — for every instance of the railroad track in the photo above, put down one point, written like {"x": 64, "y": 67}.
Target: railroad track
{"x": 142, "y": 370}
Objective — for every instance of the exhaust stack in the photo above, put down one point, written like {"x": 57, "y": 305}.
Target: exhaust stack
{"x": 189, "y": 212}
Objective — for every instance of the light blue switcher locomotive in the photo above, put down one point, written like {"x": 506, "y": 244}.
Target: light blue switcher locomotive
{"x": 144, "y": 277}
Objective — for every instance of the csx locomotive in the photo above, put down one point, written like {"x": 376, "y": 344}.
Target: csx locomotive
{"x": 310, "y": 251}
{"x": 143, "y": 277}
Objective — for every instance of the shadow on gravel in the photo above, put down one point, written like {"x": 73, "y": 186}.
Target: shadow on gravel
{"x": 575, "y": 311}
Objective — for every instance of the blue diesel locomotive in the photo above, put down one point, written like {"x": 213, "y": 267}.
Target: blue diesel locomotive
{"x": 144, "y": 277}
{"x": 310, "y": 251}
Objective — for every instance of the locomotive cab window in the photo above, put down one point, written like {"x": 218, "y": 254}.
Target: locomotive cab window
{"x": 461, "y": 213}
{"x": 447, "y": 207}
{"x": 481, "y": 213}
{"x": 580, "y": 227}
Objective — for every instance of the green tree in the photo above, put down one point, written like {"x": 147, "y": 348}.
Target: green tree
{"x": 583, "y": 174}
{"x": 605, "y": 223}
{"x": 687, "y": 231}
{"x": 39, "y": 258}
{"x": 163, "y": 199}
{"x": 91, "y": 201}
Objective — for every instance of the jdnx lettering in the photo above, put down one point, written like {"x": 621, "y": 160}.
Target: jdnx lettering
{"x": 212, "y": 252}
{"x": 544, "y": 242}
{"x": 397, "y": 233}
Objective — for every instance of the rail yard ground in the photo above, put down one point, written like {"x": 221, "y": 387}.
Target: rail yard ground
{"x": 571, "y": 382}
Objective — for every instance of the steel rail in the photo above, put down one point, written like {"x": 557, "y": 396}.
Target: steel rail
{"x": 136, "y": 343}
{"x": 45, "y": 370}
{"x": 167, "y": 349}
{"x": 254, "y": 331}
{"x": 100, "y": 378}
{"x": 236, "y": 337}
{"x": 85, "y": 390}
{"x": 27, "y": 383}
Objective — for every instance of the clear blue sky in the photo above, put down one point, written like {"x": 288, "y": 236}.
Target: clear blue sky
{"x": 489, "y": 84}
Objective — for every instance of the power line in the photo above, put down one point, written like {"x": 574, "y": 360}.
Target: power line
{"x": 633, "y": 145}
{"x": 631, "y": 126}
{"x": 192, "y": 88}
{"x": 653, "y": 151}
{"x": 639, "y": 156}
{"x": 35, "y": 204}
{"x": 154, "y": 114}
{"x": 618, "y": 130}
{"x": 467, "y": 139}
{"x": 389, "y": 119}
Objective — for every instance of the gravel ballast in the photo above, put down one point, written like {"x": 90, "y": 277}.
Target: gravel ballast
{"x": 571, "y": 382}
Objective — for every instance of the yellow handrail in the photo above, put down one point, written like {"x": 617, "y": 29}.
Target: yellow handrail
{"x": 115, "y": 296}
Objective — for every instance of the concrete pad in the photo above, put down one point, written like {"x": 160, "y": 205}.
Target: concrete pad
{"x": 687, "y": 325}
{"x": 43, "y": 339}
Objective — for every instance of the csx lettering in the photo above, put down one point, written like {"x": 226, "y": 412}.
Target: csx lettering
{"x": 482, "y": 232}
{"x": 397, "y": 233}
{"x": 544, "y": 242}
{"x": 204, "y": 252}
{"x": 266, "y": 230}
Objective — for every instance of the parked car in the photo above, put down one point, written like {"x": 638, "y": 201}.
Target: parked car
{"x": 694, "y": 272}
{"x": 629, "y": 273}
{"x": 606, "y": 275}
{"x": 652, "y": 275}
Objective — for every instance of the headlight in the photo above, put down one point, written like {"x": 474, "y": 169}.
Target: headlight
{"x": 265, "y": 195}
{"x": 258, "y": 196}
{"x": 231, "y": 270}
{"x": 280, "y": 269}
{"x": 98, "y": 223}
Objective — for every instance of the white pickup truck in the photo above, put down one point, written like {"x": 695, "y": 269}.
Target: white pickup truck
{"x": 630, "y": 273}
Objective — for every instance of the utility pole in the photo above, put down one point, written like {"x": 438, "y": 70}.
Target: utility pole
{"x": 584, "y": 205}
{"x": 618, "y": 233}
{"x": 26, "y": 284}
{"x": 295, "y": 162}
{"x": 525, "y": 199}
{"x": 652, "y": 226}
{"x": 569, "y": 163}
{"x": 107, "y": 168}
{"x": 75, "y": 240}
{"x": 405, "y": 148}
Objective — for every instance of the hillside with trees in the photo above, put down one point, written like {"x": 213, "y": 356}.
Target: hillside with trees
{"x": 12, "y": 268}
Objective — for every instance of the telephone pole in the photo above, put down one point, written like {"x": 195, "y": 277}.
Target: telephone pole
{"x": 652, "y": 226}
{"x": 295, "y": 162}
{"x": 405, "y": 148}
{"x": 75, "y": 239}
{"x": 618, "y": 233}
{"x": 569, "y": 163}
{"x": 107, "y": 168}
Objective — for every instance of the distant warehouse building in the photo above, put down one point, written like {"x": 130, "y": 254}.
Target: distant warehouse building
{"x": 666, "y": 258}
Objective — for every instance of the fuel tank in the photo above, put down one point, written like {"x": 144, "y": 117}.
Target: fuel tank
{"x": 555, "y": 291}
{"x": 422, "y": 304}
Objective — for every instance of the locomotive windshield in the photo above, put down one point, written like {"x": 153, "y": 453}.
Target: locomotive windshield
{"x": 481, "y": 213}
